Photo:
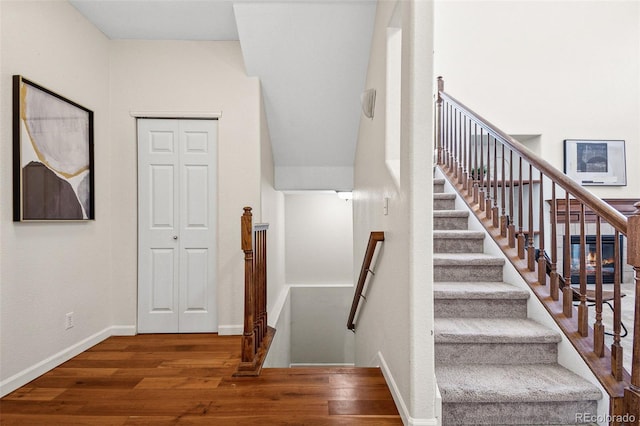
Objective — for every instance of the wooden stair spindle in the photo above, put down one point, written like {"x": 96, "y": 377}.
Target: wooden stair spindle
{"x": 632, "y": 392}
{"x": 482, "y": 172}
{"x": 439, "y": 125}
{"x": 567, "y": 292}
{"x": 503, "y": 198}
{"x": 616, "y": 348}
{"x": 598, "y": 327}
{"x": 495, "y": 217}
{"x": 521, "y": 239}
{"x": 476, "y": 165}
{"x": 553, "y": 276}
{"x": 583, "y": 314}
{"x": 487, "y": 201}
{"x": 531, "y": 251}
{"x": 542, "y": 262}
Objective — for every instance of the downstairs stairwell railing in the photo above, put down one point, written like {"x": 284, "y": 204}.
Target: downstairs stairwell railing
{"x": 540, "y": 217}
{"x": 257, "y": 335}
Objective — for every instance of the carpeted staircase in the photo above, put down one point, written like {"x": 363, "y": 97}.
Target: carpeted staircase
{"x": 493, "y": 364}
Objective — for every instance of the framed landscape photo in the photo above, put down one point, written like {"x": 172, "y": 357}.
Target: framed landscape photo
{"x": 595, "y": 162}
{"x": 53, "y": 166}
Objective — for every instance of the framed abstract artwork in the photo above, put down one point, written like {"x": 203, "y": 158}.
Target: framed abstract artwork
{"x": 595, "y": 162}
{"x": 53, "y": 166}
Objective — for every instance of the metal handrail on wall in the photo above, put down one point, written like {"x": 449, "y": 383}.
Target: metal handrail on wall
{"x": 523, "y": 200}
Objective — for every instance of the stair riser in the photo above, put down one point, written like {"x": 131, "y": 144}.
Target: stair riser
{"x": 514, "y": 413}
{"x": 465, "y": 273}
{"x": 450, "y": 223}
{"x": 496, "y": 353}
{"x": 509, "y": 362}
{"x": 438, "y": 188}
{"x": 487, "y": 308}
{"x": 444, "y": 204}
{"x": 458, "y": 245}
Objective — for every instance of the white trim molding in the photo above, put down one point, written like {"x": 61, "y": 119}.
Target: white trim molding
{"x": 124, "y": 330}
{"x": 397, "y": 397}
{"x": 176, "y": 114}
{"x": 321, "y": 364}
{"x": 230, "y": 330}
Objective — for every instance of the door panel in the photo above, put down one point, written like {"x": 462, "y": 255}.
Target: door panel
{"x": 162, "y": 282}
{"x": 176, "y": 225}
{"x": 196, "y": 187}
{"x": 196, "y": 292}
{"x": 198, "y": 221}
{"x": 162, "y": 196}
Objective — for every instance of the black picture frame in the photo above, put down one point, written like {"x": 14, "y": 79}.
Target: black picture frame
{"x": 53, "y": 156}
{"x": 595, "y": 162}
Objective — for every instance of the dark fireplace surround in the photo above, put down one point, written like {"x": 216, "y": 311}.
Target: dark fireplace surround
{"x": 608, "y": 258}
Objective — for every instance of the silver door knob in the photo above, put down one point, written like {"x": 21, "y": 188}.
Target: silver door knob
{"x": 175, "y": 237}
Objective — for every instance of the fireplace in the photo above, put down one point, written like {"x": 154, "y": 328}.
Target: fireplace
{"x": 608, "y": 258}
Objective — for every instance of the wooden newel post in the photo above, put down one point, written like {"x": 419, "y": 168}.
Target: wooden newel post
{"x": 632, "y": 393}
{"x": 248, "y": 338}
{"x": 439, "y": 120}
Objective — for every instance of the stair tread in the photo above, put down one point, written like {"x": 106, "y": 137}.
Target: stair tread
{"x": 512, "y": 383}
{"x": 444, "y": 196}
{"x": 450, "y": 213}
{"x": 458, "y": 233}
{"x": 466, "y": 259}
{"x": 492, "y": 330}
{"x": 478, "y": 290}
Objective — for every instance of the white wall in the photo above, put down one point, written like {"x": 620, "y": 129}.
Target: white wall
{"x": 278, "y": 300}
{"x": 319, "y": 243}
{"x": 319, "y": 333}
{"x": 90, "y": 268}
{"x": 49, "y": 269}
{"x": 183, "y": 76}
{"x": 562, "y": 70}
{"x": 393, "y": 329}
{"x": 320, "y": 272}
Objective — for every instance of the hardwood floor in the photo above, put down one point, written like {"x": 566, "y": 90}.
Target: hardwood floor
{"x": 186, "y": 379}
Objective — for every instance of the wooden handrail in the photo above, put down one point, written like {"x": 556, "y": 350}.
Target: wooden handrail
{"x": 374, "y": 239}
{"x": 467, "y": 152}
{"x": 257, "y": 335}
{"x": 604, "y": 210}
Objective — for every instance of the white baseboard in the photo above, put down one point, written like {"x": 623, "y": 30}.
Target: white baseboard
{"x": 324, "y": 364}
{"x": 124, "y": 330}
{"x": 37, "y": 370}
{"x": 397, "y": 397}
{"x": 230, "y": 330}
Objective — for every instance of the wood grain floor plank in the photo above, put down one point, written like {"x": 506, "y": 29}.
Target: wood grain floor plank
{"x": 362, "y": 407}
{"x": 179, "y": 383}
{"x": 187, "y": 380}
{"x": 63, "y": 420}
{"x": 27, "y": 393}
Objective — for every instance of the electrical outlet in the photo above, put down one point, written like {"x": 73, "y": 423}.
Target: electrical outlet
{"x": 68, "y": 323}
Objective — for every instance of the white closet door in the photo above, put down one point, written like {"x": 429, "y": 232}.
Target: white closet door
{"x": 176, "y": 225}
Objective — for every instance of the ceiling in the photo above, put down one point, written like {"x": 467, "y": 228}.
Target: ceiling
{"x": 311, "y": 58}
